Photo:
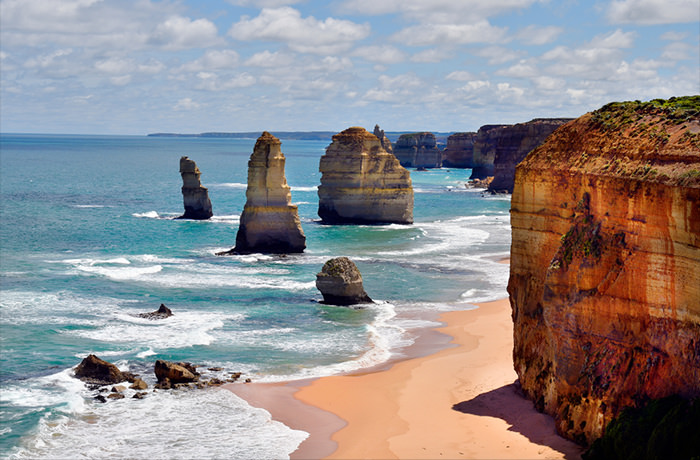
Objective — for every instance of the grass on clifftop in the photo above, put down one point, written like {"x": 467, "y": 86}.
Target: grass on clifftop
{"x": 615, "y": 115}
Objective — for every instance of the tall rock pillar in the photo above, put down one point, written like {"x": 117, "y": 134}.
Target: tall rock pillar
{"x": 195, "y": 197}
{"x": 269, "y": 222}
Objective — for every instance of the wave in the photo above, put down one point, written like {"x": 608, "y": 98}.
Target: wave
{"x": 129, "y": 428}
{"x": 237, "y": 185}
{"x": 304, "y": 189}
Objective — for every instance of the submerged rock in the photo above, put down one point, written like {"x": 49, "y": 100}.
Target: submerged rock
{"x": 270, "y": 222}
{"x": 98, "y": 371}
{"x": 361, "y": 183}
{"x": 195, "y": 197}
{"x": 340, "y": 282}
{"x": 161, "y": 313}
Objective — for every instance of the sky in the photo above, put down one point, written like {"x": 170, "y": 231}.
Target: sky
{"x": 192, "y": 66}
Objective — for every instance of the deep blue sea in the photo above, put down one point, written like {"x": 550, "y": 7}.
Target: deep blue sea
{"x": 88, "y": 241}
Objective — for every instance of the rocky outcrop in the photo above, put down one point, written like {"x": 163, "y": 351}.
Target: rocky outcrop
{"x": 98, "y": 371}
{"x": 269, "y": 222}
{"x": 459, "y": 151}
{"x": 361, "y": 183}
{"x": 418, "y": 150}
{"x": 513, "y": 144}
{"x": 605, "y": 256}
{"x": 340, "y": 283}
{"x": 484, "y": 153}
{"x": 386, "y": 143}
{"x": 162, "y": 313}
{"x": 195, "y": 197}
{"x": 175, "y": 372}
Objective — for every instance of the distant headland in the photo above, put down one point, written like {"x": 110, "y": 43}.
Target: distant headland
{"x": 441, "y": 137}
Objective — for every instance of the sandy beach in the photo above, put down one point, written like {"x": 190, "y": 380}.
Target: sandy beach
{"x": 459, "y": 402}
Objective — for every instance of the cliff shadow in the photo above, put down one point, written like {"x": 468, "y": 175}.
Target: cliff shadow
{"x": 509, "y": 404}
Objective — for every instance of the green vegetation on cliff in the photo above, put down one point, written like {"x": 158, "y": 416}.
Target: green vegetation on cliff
{"x": 616, "y": 115}
{"x": 664, "y": 428}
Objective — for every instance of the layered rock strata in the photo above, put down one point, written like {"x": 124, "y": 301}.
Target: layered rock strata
{"x": 386, "y": 143}
{"x": 195, "y": 197}
{"x": 459, "y": 151}
{"x": 512, "y": 146}
{"x": 269, "y": 222}
{"x": 418, "y": 150}
{"x": 361, "y": 183}
{"x": 484, "y": 150}
{"x": 340, "y": 283}
{"x": 605, "y": 263}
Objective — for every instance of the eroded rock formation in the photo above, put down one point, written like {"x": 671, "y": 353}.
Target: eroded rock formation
{"x": 484, "y": 154}
{"x": 418, "y": 150}
{"x": 175, "y": 372}
{"x": 513, "y": 144}
{"x": 386, "y": 143}
{"x": 162, "y": 313}
{"x": 459, "y": 151}
{"x": 269, "y": 222}
{"x": 361, "y": 183}
{"x": 340, "y": 283}
{"x": 195, "y": 197}
{"x": 98, "y": 371}
{"x": 605, "y": 263}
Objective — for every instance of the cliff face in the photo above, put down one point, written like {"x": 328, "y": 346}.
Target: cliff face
{"x": 459, "y": 152}
{"x": 362, "y": 183}
{"x": 269, "y": 222}
{"x": 418, "y": 150}
{"x": 484, "y": 153}
{"x": 605, "y": 263}
{"x": 513, "y": 143}
{"x": 194, "y": 196}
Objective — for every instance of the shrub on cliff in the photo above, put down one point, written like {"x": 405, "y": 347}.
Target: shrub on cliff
{"x": 664, "y": 428}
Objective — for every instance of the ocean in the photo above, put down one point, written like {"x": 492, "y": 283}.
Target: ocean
{"x": 88, "y": 241}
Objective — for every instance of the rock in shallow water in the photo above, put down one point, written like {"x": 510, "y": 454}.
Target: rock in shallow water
{"x": 340, "y": 282}
{"x": 98, "y": 371}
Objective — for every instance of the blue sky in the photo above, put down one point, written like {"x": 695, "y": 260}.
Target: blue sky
{"x": 189, "y": 66}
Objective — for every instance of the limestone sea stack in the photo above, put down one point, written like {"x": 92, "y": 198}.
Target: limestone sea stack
{"x": 195, "y": 197}
{"x": 340, "y": 283}
{"x": 269, "y": 222}
{"x": 459, "y": 151}
{"x": 418, "y": 150}
{"x": 513, "y": 144}
{"x": 361, "y": 183}
{"x": 386, "y": 143}
{"x": 605, "y": 263}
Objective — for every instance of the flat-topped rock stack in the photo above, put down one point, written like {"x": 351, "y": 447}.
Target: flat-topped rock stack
{"x": 418, "y": 150}
{"x": 459, "y": 151}
{"x": 269, "y": 222}
{"x": 361, "y": 183}
{"x": 195, "y": 197}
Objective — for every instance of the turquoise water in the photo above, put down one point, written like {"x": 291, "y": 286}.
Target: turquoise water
{"x": 88, "y": 241}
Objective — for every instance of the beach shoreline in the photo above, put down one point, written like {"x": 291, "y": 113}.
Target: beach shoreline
{"x": 459, "y": 402}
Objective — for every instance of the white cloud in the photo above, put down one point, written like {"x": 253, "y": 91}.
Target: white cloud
{"x": 436, "y": 11}
{"x": 210, "y": 81}
{"x": 497, "y": 55}
{"x": 460, "y": 75}
{"x": 653, "y": 11}
{"x": 213, "y": 60}
{"x": 673, "y": 35}
{"x": 678, "y": 51}
{"x": 121, "y": 80}
{"x": 47, "y": 60}
{"x": 263, "y": 3}
{"x": 305, "y": 35}
{"x": 432, "y": 55}
{"x": 177, "y": 33}
{"x": 395, "y": 89}
{"x": 450, "y": 34}
{"x": 548, "y": 83}
{"x": 268, "y": 59}
{"x": 382, "y": 54}
{"x": 522, "y": 69}
{"x": 186, "y": 104}
{"x": 536, "y": 35}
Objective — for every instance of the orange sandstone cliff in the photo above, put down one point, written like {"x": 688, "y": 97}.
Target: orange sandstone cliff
{"x": 605, "y": 263}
